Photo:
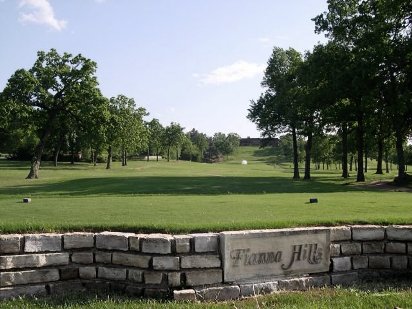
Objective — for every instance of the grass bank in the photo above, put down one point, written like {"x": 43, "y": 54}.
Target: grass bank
{"x": 186, "y": 197}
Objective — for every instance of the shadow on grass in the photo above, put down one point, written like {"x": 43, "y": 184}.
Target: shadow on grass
{"x": 208, "y": 185}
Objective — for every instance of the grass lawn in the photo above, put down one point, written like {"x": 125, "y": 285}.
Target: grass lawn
{"x": 186, "y": 197}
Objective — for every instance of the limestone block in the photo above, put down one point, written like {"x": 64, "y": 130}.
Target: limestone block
{"x": 318, "y": 281}
{"x": 342, "y": 263}
{"x": 33, "y": 260}
{"x": 345, "y": 278}
{"x": 395, "y": 247}
{"x": 373, "y": 247}
{"x": 156, "y": 293}
{"x": 28, "y": 276}
{"x": 87, "y": 272}
{"x": 152, "y": 277}
{"x": 340, "y": 233}
{"x": 379, "y": 261}
{"x": 334, "y": 250}
{"x": 295, "y": 284}
{"x": 368, "y": 232}
{"x": 78, "y": 240}
{"x": 207, "y": 242}
{"x": 182, "y": 243}
{"x": 43, "y": 243}
{"x": 200, "y": 261}
{"x": 204, "y": 277}
{"x": 18, "y": 291}
{"x": 251, "y": 289}
{"x": 112, "y": 241}
{"x": 184, "y": 295}
{"x": 399, "y": 262}
{"x": 409, "y": 248}
{"x": 10, "y": 243}
{"x": 135, "y": 291}
{"x": 351, "y": 248}
{"x": 66, "y": 287}
{"x": 134, "y": 242}
{"x": 360, "y": 262}
{"x": 129, "y": 259}
{"x": 397, "y": 232}
{"x": 166, "y": 263}
{"x": 103, "y": 257}
{"x": 111, "y": 273}
{"x": 174, "y": 279}
{"x": 69, "y": 273}
{"x": 135, "y": 275}
{"x": 219, "y": 293}
{"x": 157, "y": 243}
{"x": 82, "y": 257}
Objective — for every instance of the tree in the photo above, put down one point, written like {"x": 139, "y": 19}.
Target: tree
{"x": 173, "y": 138}
{"x": 56, "y": 86}
{"x": 200, "y": 140}
{"x": 156, "y": 131}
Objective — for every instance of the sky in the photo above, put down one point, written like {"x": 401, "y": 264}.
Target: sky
{"x": 198, "y": 63}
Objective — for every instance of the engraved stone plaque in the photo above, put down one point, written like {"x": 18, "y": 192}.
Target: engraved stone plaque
{"x": 258, "y": 255}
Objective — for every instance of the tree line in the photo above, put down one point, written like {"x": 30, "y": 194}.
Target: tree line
{"x": 356, "y": 87}
{"x": 56, "y": 107}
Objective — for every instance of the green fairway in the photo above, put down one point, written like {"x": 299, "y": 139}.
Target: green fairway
{"x": 186, "y": 197}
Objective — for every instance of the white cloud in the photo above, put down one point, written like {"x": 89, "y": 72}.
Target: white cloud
{"x": 231, "y": 73}
{"x": 40, "y": 12}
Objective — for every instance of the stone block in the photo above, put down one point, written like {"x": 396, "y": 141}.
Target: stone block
{"x": 112, "y": 241}
{"x": 82, "y": 257}
{"x": 19, "y": 291}
{"x": 398, "y": 232}
{"x": 334, "y": 250}
{"x": 360, "y": 262}
{"x": 318, "y": 281}
{"x": 157, "y": 243}
{"x": 409, "y": 248}
{"x": 295, "y": 284}
{"x": 399, "y": 262}
{"x": 219, "y": 293}
{"x": 135, "y": 275}
{"x": 351, "y": 248}
{"x": 368, "y": 232}
{"x": 111, "y": 273}
{"x": 182, "y": 243}
{"x": 252, "y": 289}
{"x": 43, "y": 243}
{"x": 166, "y": 263}
{"x": 103, "y": 257}
{"x": 66, "y": 287}
{"x": 134, "y": 242}
{"x": 373, "y": 247}
{"x": 33, "y": 260}
{"x": 379, "y": 261}
{"x": 87, "y": 272}
{"x": 156, "y": 293}
{"x": 200, "y": 261}
{"x": 78, "y": 240}
{"x": 340, "y": 233}
{"x": 184, "y": 295}
{"x": 129, "y": 259}
{"x": 204, "y": 277}
{"x": 174, "y": 279}
{"x": 135, "y": 291}
{"x": 152, "y": 277}
{"x": 28, "y": 276}
{"x": 345, "y": 279}
{"x": 395, "y": 247}
{"x": 69, "y": 273}
{"x": 341, "y": 264}
{"x": 207, "y": 242}
{"x": 10, "y": 243}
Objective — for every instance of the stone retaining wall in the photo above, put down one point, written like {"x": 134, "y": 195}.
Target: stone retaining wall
{"x": 186, "y": 267}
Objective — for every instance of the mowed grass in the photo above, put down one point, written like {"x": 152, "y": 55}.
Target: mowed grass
{"x": 190, "y": 197}
{"x": 316, "y": 298}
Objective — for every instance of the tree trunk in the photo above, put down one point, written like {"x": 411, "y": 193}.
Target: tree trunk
{"x": 360, "y": 177}
{"x": 366, "y": 159}
{"x": 125, "y": 157}
{"x": 168, "y": 154}
{"x": 345, "y": 173}
{"x": 157, "y": 154}
{"x": 95, "y": 158}
{"x": 401, "y": 178}
{"x": 148, "y": 154}
{"x": 308, "y": 150}
{"x": 295, "y": 155}
{"x": 109, "y": 158}
{"x": 380, "y": 156}
{"x": 387, "y": 161}
{"x": 56, "y": 156}
{"x": 351, "y": 163}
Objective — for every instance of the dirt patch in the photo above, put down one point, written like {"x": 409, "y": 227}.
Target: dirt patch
{"x": 385, "y": 186}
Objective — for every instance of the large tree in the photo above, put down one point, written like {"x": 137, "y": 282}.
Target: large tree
{"x": 57, "y": 86}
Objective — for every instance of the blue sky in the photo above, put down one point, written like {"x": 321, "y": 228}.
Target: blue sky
{"x": 195, "y": 62}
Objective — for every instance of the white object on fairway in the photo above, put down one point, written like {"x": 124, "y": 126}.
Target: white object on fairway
{"x": 244, "y": 162}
